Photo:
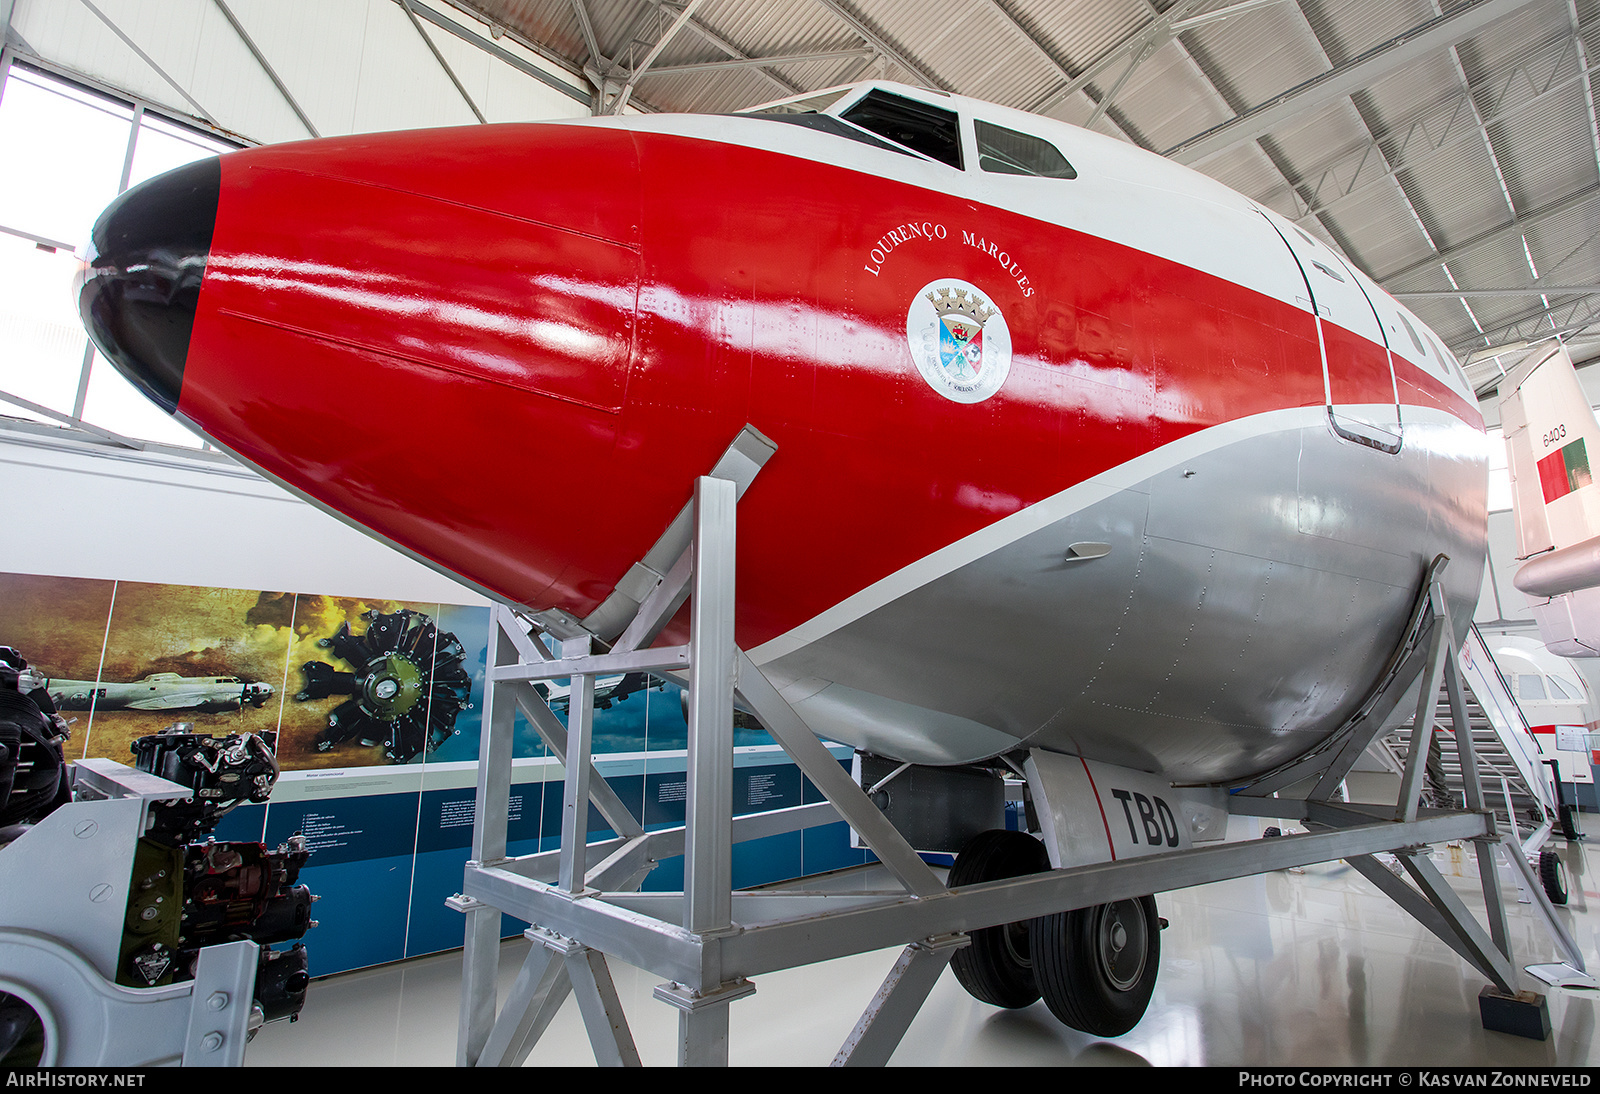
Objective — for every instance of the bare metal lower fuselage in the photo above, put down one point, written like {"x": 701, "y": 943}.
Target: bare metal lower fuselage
{"x": 1259, "y": 575}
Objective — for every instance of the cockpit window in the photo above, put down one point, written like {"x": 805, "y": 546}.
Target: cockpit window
{"x": 1415, "y": 341}
{"x": 1449, "y": 361}
{"x": 1007, "y": 152}
{"x": 926, "y": 129}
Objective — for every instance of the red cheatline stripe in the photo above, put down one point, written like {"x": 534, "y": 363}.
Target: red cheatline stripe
{"x": 1103, "y": 822}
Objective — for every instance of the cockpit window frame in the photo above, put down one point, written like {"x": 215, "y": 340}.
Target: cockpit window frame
{"x": 953, "y": 152}
{"x": 1011, "y": 165}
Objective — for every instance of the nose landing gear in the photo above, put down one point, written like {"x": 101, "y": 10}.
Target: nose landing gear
{"x": 997, "y": 967}
{"x": 1094, "y": 967}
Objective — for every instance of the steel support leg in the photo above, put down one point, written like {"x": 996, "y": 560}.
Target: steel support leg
{"x": 540, "y": 989}
{"x": 1484, "y": 954}
{"x": 1472, "y": 784}
{"x": 554, "y": 735}
{"x": 1439, "y": 651}
{"x": 609, "y": 1035}
{"x": 892, "y": 1010}
{"x": 708, "y": 846}
{"x": 1413, "y": 903}
{"x": 703, "y": 1021}
{"x": 1541, "y": 903}
{"x": 703, "y": 1037}
{"x": 575, "y": 788}
{"x": 818, "y": 764}
{"x": 480, "y": 966}
{"x": 1436, "y": 905}
{"x": 555, "y": 967}
{"x": 708, "y": 830}
{"x": 481, "y": 949}
{"x": 1494, "y": 901}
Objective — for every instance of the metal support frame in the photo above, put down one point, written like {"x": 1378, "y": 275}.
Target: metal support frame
{"x": 1428, "y": 656}
{"x": 708, "y": 941}
{"x": 555, "y": 968}
{"x": 904, "y": 990}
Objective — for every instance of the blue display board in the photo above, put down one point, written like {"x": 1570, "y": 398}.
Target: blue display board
{"x": 382, "y": 865}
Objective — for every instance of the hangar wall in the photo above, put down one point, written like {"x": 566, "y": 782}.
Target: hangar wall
{"x": 96, "y": 89}
{"x": 102, "y": 511}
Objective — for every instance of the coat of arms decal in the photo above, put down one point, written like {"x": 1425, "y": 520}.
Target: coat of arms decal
{"x": 959, "y": 340}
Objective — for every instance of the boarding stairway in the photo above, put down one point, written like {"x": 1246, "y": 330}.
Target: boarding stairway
{"x": 1508, "y": 755}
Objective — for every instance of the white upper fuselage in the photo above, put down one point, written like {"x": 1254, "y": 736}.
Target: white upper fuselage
{"x": 1122, "y": 193}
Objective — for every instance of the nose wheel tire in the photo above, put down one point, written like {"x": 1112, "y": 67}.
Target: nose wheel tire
{"x": 1096, "y": 967}
{"x": 1553, "y": 876}
{"x": 997, "y": 967}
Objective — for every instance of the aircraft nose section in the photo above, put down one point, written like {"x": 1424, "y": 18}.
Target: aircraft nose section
{"x": 147, "y": 257}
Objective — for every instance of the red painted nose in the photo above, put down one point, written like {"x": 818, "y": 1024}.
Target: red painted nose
{"x": 406, "y": 327}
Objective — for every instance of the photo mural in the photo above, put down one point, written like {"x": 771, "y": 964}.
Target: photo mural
{"x": 378, "y": 707}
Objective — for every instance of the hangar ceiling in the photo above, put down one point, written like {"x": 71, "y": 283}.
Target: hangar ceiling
{"x": 1449, "y": 148}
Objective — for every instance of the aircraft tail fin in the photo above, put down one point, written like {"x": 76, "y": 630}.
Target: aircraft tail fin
{"x": 1551, "y": 438}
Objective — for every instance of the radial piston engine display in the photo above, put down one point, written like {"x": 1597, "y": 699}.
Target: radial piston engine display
{"x": 33, "y": 770}
{"x": 406, "y": 691}
{"x": 222, "y": 771}
{"x": 189, "y": 891}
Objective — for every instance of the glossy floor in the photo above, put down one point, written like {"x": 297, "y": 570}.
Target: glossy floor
{"x": 1301, "y": 967}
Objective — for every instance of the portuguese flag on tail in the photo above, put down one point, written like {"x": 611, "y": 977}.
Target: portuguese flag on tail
{"x": 1564, "y": 471}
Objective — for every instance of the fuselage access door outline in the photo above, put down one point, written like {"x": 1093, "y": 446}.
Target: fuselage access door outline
{"x": 1357, "y": 366}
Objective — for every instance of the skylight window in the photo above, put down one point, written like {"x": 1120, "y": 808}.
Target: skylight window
{"x": 81, "y": 148}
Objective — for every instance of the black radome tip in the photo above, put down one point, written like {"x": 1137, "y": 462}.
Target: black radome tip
{"x": 147, "y": 257}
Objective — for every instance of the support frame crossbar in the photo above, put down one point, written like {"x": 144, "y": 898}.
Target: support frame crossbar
{"x": 779, "y": 930}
